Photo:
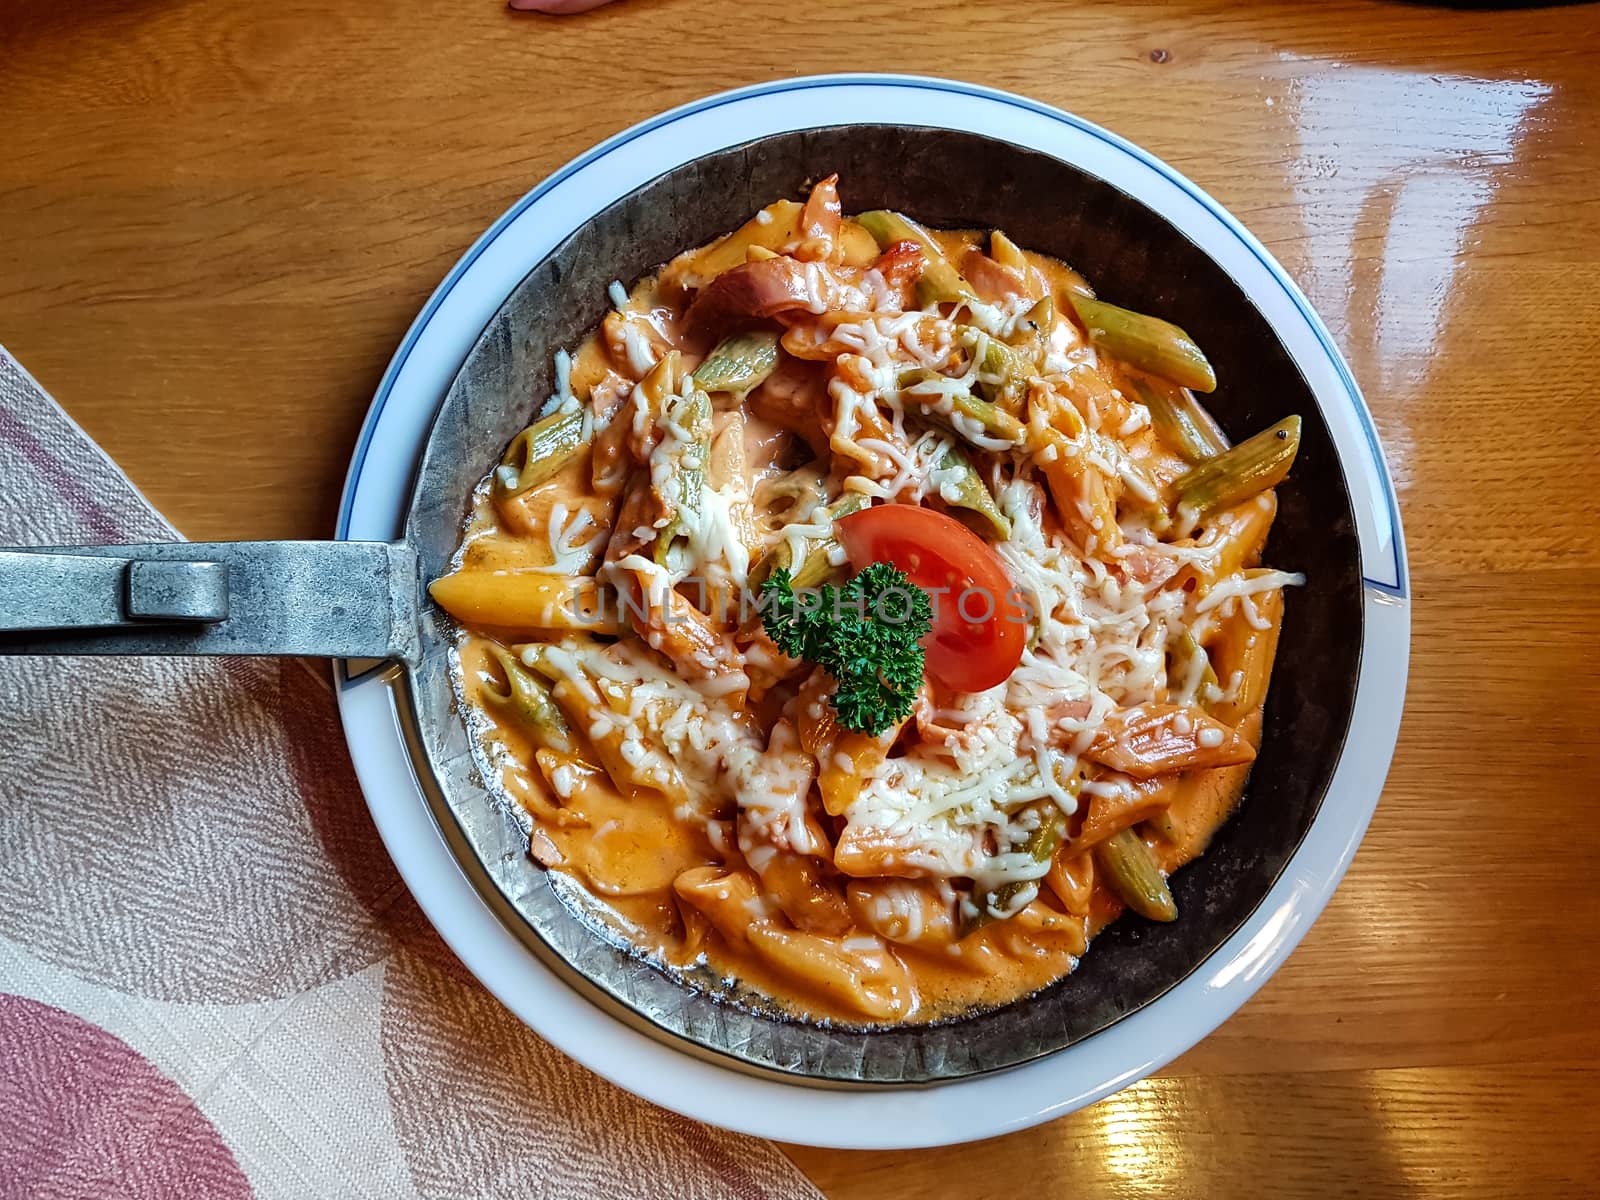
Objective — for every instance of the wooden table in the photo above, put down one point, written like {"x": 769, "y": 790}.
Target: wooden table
{"x": 216, "y": 221}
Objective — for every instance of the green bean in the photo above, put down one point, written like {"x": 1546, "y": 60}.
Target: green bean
{"x": 1251, "y": 467}
{"x": 1148, "y": 343}
{"x": 693, "y": 415}
{"x": 968, "y": 491}
{"x": 526, "y": 701}
{"x": 1041, "y": 846}
{"x": 739, "y": 363}
{"x": 941, "y": 283}
{"x": 538, "y": 452}
{"x": 1179, "y": 419}
{"x": 1130, "y": 868}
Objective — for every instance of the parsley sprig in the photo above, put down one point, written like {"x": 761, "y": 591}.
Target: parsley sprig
{"x": 864, "y": 634}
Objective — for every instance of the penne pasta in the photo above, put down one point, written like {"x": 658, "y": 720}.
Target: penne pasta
{"x": 798, "y": 886}
{"x": 524, "y": 599}
{"x": 1071, "y": 878}
{"x": 676, "y": 649}
{"x": 1122, "y": 804}
{"x": 1152, "y": 740}
{"x": 633, "y": 766}
{"x": 859, "y": 974}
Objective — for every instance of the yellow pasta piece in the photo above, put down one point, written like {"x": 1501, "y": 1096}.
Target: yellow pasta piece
{"x": 611, "y": 461}
{"x": 729, "y": 899}
{"x": 1007, "y": 253}
{"x": 1040, "y": 929}
{"x": 672, "y": 624}
{"x": 497, "y": 552}
{"x": 1137, "y": 801}
{"x": 862, "y": 976}
{"x": 1148, "y": 740}
{"x": 775, "y": 226}
{"x": 1084, "y": 499}
{"x": 854, "y": 757}
{"x": 797, "y": 885}
{"x": 1050, "y": 409}
{"x": 908, "y": 912}
{"x": 816, "y": 339}
{"x": 624, "y": 331}
{"x": 865, "y": 851}
{"x": 528, "y": 791}
{"x": 856, "y": 247}
{"x": 1235, "y": 537}
{"x": 731, "y": 472}
{"x": 568, "y": 775}
{"x": 859, "y": 973}
{"x": 1242, "y": 656}
{"x": 844, "y": 757}
{"x": 523, "y": 599}
{"x": 651, "y": 397}
{"x": 1071, "y": 878}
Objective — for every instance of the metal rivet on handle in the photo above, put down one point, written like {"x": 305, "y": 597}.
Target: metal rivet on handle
{"x": 177, "y": 591}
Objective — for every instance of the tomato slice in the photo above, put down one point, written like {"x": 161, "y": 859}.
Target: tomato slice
{"x": 979, "y": 624}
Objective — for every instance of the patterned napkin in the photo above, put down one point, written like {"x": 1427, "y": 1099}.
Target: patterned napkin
{"x": 212, "y": 981}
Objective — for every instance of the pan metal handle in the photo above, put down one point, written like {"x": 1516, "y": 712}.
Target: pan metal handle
{"x": 318, "y": 599}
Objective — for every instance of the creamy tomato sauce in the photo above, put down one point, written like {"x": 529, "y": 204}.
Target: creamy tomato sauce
{"x": 697, "y": 784}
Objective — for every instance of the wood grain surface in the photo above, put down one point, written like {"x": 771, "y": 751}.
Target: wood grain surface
{"x": 217, "y": 221}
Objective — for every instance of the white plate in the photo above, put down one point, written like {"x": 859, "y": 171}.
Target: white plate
{"x": 374, "y": 502}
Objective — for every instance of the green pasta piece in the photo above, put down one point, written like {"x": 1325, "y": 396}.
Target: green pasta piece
{"x": 1181, "y": 651}
{"x": 1251, "y": 467}
{"x": 816, "y": 553}
{"x": 1165, "y": 826}
{"x": 693, "y": 415}
{"x": 739, "y": 363}
{"x": 992, "y": 420}
{"x": 1130, "y": 868}
{"x": 1002, "y": 373}
{"x": 526, "y": 701}
{"x": 1179, "y": 419}
{"x": 538, "y": 452}
{"x": 1041, "y": 846}
{"x": 1145, "y": 342}
{"x": 1030, "y": 338}
{"x": 971, "y": 493}
{"x": 941, "y": 283}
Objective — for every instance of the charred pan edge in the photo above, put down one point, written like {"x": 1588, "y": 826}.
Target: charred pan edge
{"x": 951, "y": 179}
